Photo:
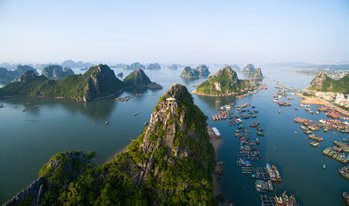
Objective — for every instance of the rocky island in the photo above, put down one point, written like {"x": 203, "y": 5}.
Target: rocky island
{"x": 56, "y": 72}
{"x": 7, "y": 76}
{"x": 170, "y": 163}
{"x": 224, "y": 83}
{"x": 190, "y": 74}
{"x": 138, "y": 80}
{"x": 173, "y": 67}
{"x": 97, "y": 83}
{"x": 252, "y": 73}
{"x": 154, "y": 66}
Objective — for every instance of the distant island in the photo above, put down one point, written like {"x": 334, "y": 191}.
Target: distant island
{"x": 224, "y": 83}
{"x": 252, "y": 73}
{"x": 170, "y": 163}
{"x": 99, "y": 82}
{"x": 190, "y": 73}
{"x": 56, "y": 72}
{"x": 138, "y": 80}
{"x": 154, "y": 66}
{"x": 7, "y": 76}
{"x": 173, "y": 67}
{"x": 79, "y": 64}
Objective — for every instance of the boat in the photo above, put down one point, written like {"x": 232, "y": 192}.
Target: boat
{"x": 314, "y": 137}
{"x": 146, "y": 123}
{"x": 106, "y": 122}
{"x": 346, "y": 197}
{"x": 260, "y": 133}
{"x": 344, "y": 171}
{"x": 135, "y": 114}
{"x": 216, "y": 132}
{"x": 254, "y": 124}
{"x": 315, "y": 144}
{"x": 323, "y": 166}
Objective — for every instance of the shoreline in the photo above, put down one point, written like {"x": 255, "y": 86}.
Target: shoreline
{"x": 216, "y": 143}
{"x": 319, "y": 101}
{"x": 212, "y": 95}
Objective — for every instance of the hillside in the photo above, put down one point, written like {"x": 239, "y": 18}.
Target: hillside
{"x": 170, "y": 163}
{"x": 56, "y": 72}
{"x": 224, "y": 83}
{"x": 252, "y": 73}
{"x": 322, "y": 82}
{"x": 98, "y": 82}
{"x": 138, "y": 80}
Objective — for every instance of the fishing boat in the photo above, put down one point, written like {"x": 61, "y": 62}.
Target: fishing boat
{"x": 106, "y": 122}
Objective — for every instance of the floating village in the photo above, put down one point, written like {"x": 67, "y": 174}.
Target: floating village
{"x": 265, "y": 177}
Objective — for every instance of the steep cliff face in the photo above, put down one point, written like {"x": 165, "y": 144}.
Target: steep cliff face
{"x": 224, "y": 83}
{"x": 252, "y": 73}
{"x": 101, "y": 83}
{"x": 319, "y": 80}
{"x": 322, "y": 82}
{"x": 170, "y": 163}
{"x": 191, "y": 73}
{"x": 7, "y": 76}
{"x": 138, "y": 80}
{"x": 56, "y": 72}
{"x": 176, "y": 135}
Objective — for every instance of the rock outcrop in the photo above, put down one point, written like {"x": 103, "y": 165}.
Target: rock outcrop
{"x": 190, "y": 74}
{"x": 203, "y": 70}
{"x": 173, "y": 67}
{"x": 224, "y": 83}
{"x": 135, "y": 66}
{"x": 154, "y": 66}
{"x": 56, "y": 72}
{"x": 319, "y": 80}
{"x": 7, "y": 76}
{"x": 322, "y": 82}
{"x": 138, "y": 80}
{"x": 252, "y": 73}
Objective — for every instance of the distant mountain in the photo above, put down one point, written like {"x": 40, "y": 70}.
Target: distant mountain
{"x": 324, "y": 83}
{"x": 252, "y": 73}
{"x": 136, "y": 65}
{"x": 154, "y": 66}
{"x": 224, "y": 83}
{"x": 191, "y": 74}
{"x": 173, "y": 67}
{"x": 97, "y": 83}
{"x": 7, "y": 76}
{"x": 138, "y": 80}
{"x": 56, "y": 72}
{"x": 73, "y": 64}
{"x": 170, "y": 163}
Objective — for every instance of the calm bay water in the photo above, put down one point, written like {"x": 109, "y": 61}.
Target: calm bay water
{"x": 32, "y": 130}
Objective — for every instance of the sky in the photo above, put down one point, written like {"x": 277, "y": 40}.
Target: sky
{"x": 174, "y": 31}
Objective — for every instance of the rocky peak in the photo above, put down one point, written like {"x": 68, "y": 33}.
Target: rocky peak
{"x": 56, "y": 72}
{"x": 140, "y": 81}
{"x": 28, "y": 76}
{"x": 318, "y": 81}
{"x": 101, "y": 82}
{"x": 249, "y": 68}
{"x": 203, "y": 70}
{"x": 229, "y": 73}
{"x": 175, "y": 127}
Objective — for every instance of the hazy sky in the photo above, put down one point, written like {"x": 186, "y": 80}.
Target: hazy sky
{"x": 180, "y": 31}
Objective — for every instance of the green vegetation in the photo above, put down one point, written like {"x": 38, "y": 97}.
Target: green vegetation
{"x": 138, "y": 80}
{"x": 153, "y": 170}
{"x": 224, "y": 82}
{"x": 98, "y": 81}
{"x": 324, "y": 83}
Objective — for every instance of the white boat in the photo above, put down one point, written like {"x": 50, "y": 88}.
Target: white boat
{"x": 216, "y": 132}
